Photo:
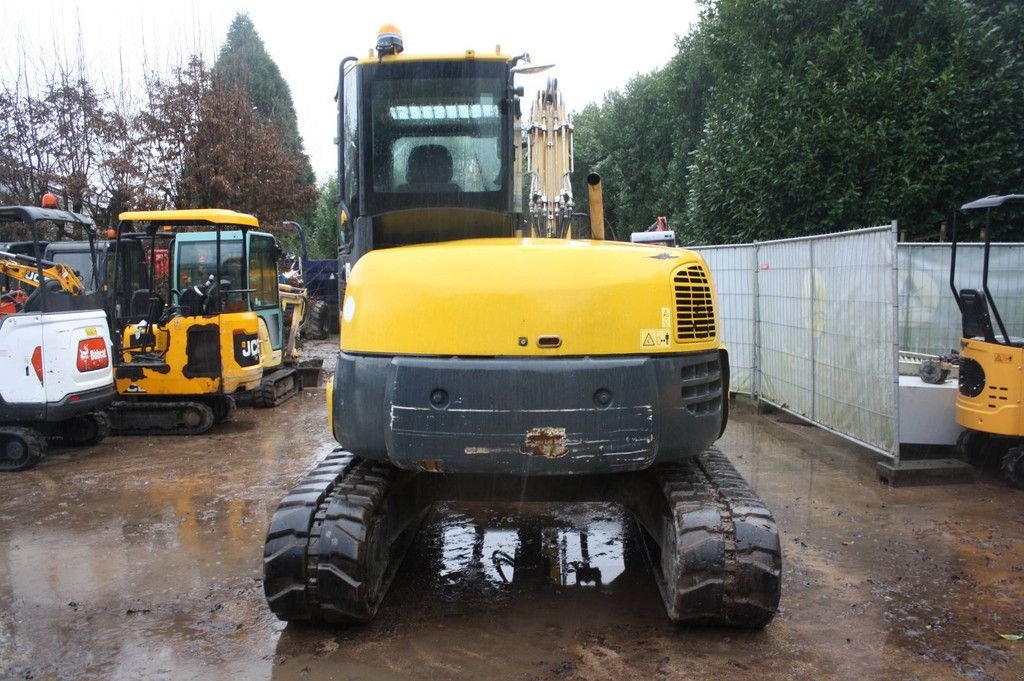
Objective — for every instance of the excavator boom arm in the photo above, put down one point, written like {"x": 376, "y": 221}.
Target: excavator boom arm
{"x": 25, "y": 269}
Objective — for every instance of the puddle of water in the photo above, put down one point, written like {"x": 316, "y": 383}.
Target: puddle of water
{"x": 583, "y": 547}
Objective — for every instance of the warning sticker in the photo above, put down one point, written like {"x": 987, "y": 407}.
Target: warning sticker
{"x": 654, "y": 338}
{"x": 666, "y": 318}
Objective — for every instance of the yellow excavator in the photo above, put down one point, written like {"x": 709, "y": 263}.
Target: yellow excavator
{"x": 480, "y": 360}
{"x": 185, "y": 345}
{"x": 991, "y": 384}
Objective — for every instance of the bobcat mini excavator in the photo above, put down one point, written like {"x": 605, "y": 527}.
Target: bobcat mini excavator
{"x": 55, "y": 368}
{"x": 478, "y": 362}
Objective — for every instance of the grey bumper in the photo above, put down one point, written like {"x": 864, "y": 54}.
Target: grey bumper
{"x": 530, "y": 416}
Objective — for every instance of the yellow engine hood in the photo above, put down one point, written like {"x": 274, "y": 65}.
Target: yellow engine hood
{"x": 529, "y": 297}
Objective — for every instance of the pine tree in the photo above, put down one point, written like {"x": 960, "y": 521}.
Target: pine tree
{"x": 244, "y": 63}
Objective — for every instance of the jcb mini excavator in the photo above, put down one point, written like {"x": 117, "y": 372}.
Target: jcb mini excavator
{"x": 55, "y": 369}
{"x": 479, "y": 362}
{"x": 185, "y": 344}
{"x": 257, "y": 253}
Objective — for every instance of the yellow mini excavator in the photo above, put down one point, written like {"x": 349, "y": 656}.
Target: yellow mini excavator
{"x": 185, "y": 345}
{"x": 480, "y": 360}
{"x": 991, "y": 384}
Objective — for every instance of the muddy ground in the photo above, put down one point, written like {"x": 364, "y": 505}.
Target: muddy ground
{"x": 140, "y": 558}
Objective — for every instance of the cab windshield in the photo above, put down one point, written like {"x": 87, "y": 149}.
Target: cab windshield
{"x": 197, "y": 263}
{"x": 436, "y": 131}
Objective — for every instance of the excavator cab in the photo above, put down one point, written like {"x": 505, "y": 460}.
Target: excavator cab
{"x": 99, "y": 276}
{"x": 991, "y": 385}
{"x": 248, "y": 276}
{"x": 441, "y": 139}
{"x": 186, "y": 343}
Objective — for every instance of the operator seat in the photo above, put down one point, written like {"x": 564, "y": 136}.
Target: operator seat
{"x": 429, "y": 169}
{"x": 976, "y": 321}
{"x": 191, "y": 301}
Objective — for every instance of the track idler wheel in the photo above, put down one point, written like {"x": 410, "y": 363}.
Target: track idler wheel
{"x": 719, "y": 560}
{"x": 196, "y": 418}
{"x": 336, "y": 541}
{"x": 20, "y": 449}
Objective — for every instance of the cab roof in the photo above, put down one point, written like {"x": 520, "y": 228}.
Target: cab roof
{"x": 195, "y": 216}
{"x": 993, "y": 201}
{"x": 34, "y": 213}
{"x": 468, "y": 55}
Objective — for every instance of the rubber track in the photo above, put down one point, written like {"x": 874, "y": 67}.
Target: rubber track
{"x": 359, "y": 550}
{"x": 63, "y": 433}
{"x": 336, "y": 542}
{"x": 36, "y": 447}
{"x": 721, "y": 560}
{"x": 265, "y": 395}
{"x": 161, "y": 418}
{"x": 290, "y": 594}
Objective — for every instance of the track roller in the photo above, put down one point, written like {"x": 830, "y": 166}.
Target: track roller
{"x": 717, "y": 558}
{"x": 20, "y": 448}
{"x": 160, "y": 418}
{"x": 336, "y": 541}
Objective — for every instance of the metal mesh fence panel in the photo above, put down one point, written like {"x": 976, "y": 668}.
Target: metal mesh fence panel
{"x": 787, "y": 316}
{"x": 929, "y": 319}
{"x": 734, "y": 270}
{"x": 814, "y": 330}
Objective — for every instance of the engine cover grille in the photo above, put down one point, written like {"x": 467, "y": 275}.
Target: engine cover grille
{"x": 695, "y": 305}
{"x": 972, "y": 378}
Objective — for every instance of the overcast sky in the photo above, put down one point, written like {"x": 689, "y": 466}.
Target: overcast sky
{"x": 595, "y": 49}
